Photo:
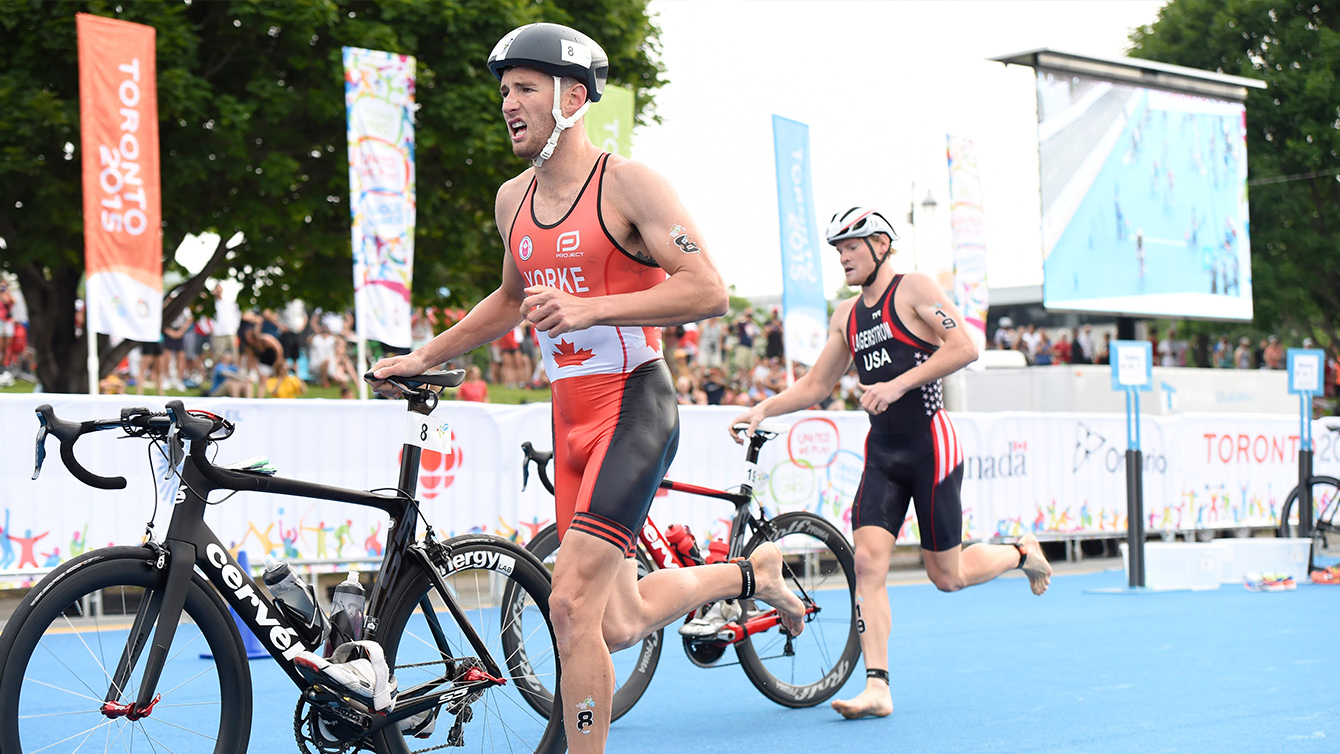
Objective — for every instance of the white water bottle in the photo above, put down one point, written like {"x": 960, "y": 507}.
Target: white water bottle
{"x": 346, "y": 613}
{"x": 297, "y": 600}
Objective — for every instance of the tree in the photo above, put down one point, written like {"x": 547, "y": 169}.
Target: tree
{"x": 252, "y": 135}
{"x": 1293, "y": 141}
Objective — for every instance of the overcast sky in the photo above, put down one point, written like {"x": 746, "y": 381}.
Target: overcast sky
{"x": 880, "y": 84}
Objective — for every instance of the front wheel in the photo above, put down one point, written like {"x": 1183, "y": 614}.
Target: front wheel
{"x": 61, "y": 647}
{"x": 818, "y": 564}
{"x": 1325, "y": 498}
{"x": 632, "y": 669}
{"x": 503, "y": 593}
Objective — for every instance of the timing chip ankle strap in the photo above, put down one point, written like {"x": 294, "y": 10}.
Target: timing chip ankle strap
{"x": 747, "y": 578}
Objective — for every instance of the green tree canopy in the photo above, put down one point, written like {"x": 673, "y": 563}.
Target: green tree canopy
{"x": 252, "y": 135}
{"x": 1293, "y": 141}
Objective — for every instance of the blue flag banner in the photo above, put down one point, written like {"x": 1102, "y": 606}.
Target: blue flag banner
{"x": 804, "y": 308}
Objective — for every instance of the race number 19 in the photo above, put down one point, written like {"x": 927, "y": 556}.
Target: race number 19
{"x": 430, "y": 432}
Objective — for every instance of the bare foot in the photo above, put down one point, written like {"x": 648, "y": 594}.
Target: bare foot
{"x": 1036, "y": 567}
{"x": 772, "y": 588}
{"x": 875, "y": 701}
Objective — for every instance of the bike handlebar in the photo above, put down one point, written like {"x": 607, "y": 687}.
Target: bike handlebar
{"x": 541, "y": 459}
{"x": 136, "y": 421}
{"x": 68, "y": 433}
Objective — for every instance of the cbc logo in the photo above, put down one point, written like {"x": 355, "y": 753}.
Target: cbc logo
{"x": 438, "y": 471}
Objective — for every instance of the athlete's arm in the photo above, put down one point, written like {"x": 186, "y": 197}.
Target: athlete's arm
{"x": 814, "y": 385}
{"x": 637, "y": 196}
{"x": 936, "y": 311}
{"x": 489, "y": 320}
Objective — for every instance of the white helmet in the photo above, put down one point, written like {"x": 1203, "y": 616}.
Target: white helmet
{"x": 861, "y": 222}
{"x": 858, "y": 222}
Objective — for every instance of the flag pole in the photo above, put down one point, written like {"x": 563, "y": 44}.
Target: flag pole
{"x": 362, "y": 367}
{"x": 91, "y": 334}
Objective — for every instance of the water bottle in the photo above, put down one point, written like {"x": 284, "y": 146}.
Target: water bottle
{"x": 346, "y": 613}
{"x": 296, "y": 600}
{"x": 682, "y": 540}
{"x": 718, "y": 551}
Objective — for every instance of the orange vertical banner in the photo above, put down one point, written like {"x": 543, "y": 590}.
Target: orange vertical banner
{"x": 118, "y": 121}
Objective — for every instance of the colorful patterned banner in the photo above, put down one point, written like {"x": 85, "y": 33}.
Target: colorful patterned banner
{"x": 1059, "y": 475}
{"x": 118, "y": 122}
{"x": 804, "y": 308}
{"x": 379, "y": 100}
{"x": 966, "y": 217}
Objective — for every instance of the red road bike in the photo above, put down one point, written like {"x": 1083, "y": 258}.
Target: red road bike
{"x": 799, "y": 671}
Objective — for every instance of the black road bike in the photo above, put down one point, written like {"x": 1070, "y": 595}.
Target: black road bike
{"x": 108, "y": 652}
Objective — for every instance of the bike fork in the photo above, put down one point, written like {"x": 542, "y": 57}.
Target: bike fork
{"x": 161, "y": 608}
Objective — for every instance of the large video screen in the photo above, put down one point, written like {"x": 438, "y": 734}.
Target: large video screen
{"x": 1144, "y": 200}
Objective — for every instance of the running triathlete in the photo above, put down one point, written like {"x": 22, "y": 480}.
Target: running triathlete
{"x": 601, "y": 255}
{"x": 905, "y": 335}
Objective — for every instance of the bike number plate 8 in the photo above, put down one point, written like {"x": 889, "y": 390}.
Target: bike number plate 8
{"x": 430, "y": 432}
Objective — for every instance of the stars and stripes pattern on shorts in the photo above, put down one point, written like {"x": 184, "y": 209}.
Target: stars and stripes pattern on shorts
{"x": 948, "y": 453}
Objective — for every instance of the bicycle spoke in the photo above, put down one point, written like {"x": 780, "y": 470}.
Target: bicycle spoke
{"x": 179, "y": 727}
{"x": 104, "y": 723}
{"x": 188, "y": 680}
{"x": 79, "y": 635}
{"x": 94, "y": 699}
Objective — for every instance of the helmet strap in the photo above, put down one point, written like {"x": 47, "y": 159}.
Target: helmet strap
{"x": 869, "y": 281}
{"x": 561, "y": 123}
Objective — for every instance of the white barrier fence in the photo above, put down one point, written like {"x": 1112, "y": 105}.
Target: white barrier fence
{"x": 1054, "y": 474}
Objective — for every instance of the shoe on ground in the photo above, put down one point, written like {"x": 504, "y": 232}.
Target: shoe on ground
{"x": 710, "y": 623}
{"x": 1269, "y": 582}
{"x": 357, "y": 669}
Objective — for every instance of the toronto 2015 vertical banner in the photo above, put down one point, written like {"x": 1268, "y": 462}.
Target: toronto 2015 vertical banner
{"x": 379, "y": 102}
{"x": 118, "y": 123}
{"x": 804, "y": 308}
{"x": 966, "y": 217}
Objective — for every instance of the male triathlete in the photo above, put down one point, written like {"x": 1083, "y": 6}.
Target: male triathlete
{"x": 601, "y": 255}
{"x": 904, "y": 335}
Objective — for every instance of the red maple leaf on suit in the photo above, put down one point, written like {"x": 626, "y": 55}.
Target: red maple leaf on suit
{"x": 567, "y": 355}
{"x": 653, "y": 336}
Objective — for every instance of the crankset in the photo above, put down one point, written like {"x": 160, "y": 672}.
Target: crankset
{"x": 324, "y": 723}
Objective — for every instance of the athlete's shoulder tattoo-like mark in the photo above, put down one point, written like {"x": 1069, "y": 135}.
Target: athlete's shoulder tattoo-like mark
{"x": 946, "y": 321}
{"x": 683, "y": 240}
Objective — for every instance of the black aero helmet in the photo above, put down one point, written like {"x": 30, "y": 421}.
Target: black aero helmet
{"x": 555, "y": 49}
{"x": 862, "y": 223}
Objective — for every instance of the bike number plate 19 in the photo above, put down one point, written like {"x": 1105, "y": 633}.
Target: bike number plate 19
{"x": 430, "y": 432}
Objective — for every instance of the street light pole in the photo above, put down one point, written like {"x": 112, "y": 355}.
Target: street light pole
{"x": 928, "y": 206}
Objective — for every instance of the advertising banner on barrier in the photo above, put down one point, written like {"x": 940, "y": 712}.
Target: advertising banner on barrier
{"x": 967, "y": 219}
{"x": 609, "y": 122}
{"x": 1057, "y": 475}
{"x": 804, "y": 307}
{"x": 379, "y": 102}
{"x": 118, "y": 141}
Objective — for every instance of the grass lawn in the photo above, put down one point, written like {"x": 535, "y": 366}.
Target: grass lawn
{"x": 497, "y": 394}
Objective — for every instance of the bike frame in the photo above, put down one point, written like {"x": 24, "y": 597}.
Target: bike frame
{"x": 664, "y": 556}
{"x": 190, "y": 543}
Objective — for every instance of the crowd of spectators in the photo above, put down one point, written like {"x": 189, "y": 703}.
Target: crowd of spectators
{"x": 1081, "y": 345}
{"x": 735, "y": 360}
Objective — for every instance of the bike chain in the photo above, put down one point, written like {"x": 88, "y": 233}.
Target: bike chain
{"x": 306, "y": 731}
